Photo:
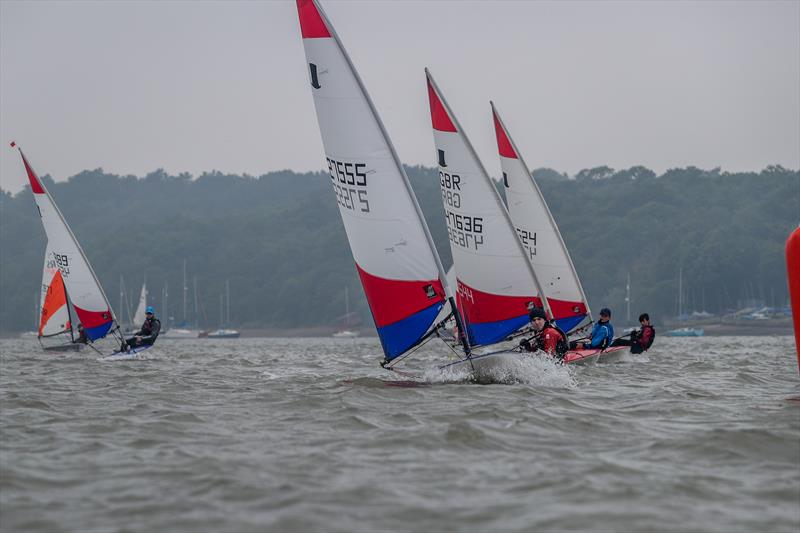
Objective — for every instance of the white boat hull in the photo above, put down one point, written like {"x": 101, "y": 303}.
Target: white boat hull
{"x": 180, "y": 333}
{"x": 223, "y": 334}
{"x": 133, "y": 353}
{"x": 346, "y": 334}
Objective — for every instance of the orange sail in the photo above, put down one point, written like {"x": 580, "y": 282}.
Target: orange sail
{"x": 55, "y": 300}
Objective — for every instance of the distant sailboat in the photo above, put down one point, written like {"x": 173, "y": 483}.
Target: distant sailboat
{"x": 346, "y": 332}
{"x": 684, "y": 331}
{"x": 82, "y": 292}
{"x": 139, "y": 315}
{"x": 224, "y": 332}
{"x": 183, "y": 331}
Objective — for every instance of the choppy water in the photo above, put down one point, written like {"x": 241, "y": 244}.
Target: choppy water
{"x": 311, "y": 435}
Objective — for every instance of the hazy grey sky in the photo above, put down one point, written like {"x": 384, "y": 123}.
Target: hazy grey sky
{"x": 198, "y": 86}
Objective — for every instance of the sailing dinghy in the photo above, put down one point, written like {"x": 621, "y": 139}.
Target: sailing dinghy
{"x": 85, "y": 295}
{"x": 496, "y": 283}
{"x": 139, "y": 315}
{"x": 401, "y": 273}
{"x": 539, "y": 234}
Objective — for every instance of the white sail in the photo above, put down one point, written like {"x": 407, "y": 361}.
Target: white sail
{"x": 539, "y": 234}
{"x": 496, "y": 283}
{"x": 139, "y": 315}
{"x": 394, "y": 254}
{"x": 87, "y": 297}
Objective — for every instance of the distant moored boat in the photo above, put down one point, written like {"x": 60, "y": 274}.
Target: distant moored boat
{"x": 685, "y": 332}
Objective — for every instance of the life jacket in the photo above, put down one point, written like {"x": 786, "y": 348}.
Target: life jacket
{"x": 149, "y": 326}
{"x": 562, "y": 346}
{"x": 646, "y": 341}
{"x": 608, "y": 336}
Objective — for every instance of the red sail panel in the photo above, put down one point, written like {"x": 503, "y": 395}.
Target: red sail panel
{"x": 312, "y": 26}
{"x": 55, "y": 299}
{"x": 392, "y": 300}
{"x": 503, "y": 144}
{"x": 439, "y": 117}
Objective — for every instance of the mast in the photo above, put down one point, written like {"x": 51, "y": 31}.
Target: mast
{"x": 164, "y": 303}
{"x": 69, "y": 317}
{"x": 628, "y": 297}
{"x": 121, "y": 292}
{"x": 194, "y": 281}
{"x": 228, "y": 302}
{"x": 680, "y": 292}
{"x": 221, "y": 315}
{"x": 185, "y": 291}
{"x": 346, "y": 308}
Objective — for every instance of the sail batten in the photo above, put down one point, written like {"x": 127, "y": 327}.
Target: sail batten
{"x": 496, "y": 283}
{"x": 399, "y": 268}
{"x": 85, "y": 293}
{"x": 540, "y": 235}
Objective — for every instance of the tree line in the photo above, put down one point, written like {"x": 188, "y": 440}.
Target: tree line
{"x": 279, "y": 241}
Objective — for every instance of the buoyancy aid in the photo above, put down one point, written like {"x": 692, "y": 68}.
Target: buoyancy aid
{"x": 561, "y": 346}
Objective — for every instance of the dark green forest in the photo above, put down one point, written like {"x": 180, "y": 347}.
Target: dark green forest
{"x": 279, "y": 240}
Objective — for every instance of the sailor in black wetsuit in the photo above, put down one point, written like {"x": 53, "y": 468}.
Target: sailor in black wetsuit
{"x": 641, "y": 340}
{"x": 147, "y": 333}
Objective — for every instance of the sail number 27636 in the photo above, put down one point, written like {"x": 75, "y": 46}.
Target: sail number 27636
{"x": 464, "y": 230}
{"x": 349, "y": 180}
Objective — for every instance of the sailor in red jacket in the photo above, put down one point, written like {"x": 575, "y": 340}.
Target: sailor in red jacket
{"x": 641, "y": 340}
{"x": 548, "y": 339}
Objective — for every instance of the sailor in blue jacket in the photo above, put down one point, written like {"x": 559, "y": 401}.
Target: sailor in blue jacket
{"x": 602, "y": 333}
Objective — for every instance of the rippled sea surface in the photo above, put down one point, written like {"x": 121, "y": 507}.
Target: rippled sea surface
{"x": 312, "y": 435}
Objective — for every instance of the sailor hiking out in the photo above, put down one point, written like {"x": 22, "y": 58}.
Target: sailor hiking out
{"x": 602, "y": 334}
{"x": 147, "y": 334}
{"x": 549, "y": 338}
{"x": 642, "y": 339}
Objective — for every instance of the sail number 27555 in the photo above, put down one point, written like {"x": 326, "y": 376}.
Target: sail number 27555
{"x": 350, "y": 183}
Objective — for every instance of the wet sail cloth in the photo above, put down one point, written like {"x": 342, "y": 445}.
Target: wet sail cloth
{"x": 496, "y": 283}
{"x": 401, "y": 274}
{"x": 539, "y": 234}
{"x": 88, "y": 300}
{"x": 54, "y": 318}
